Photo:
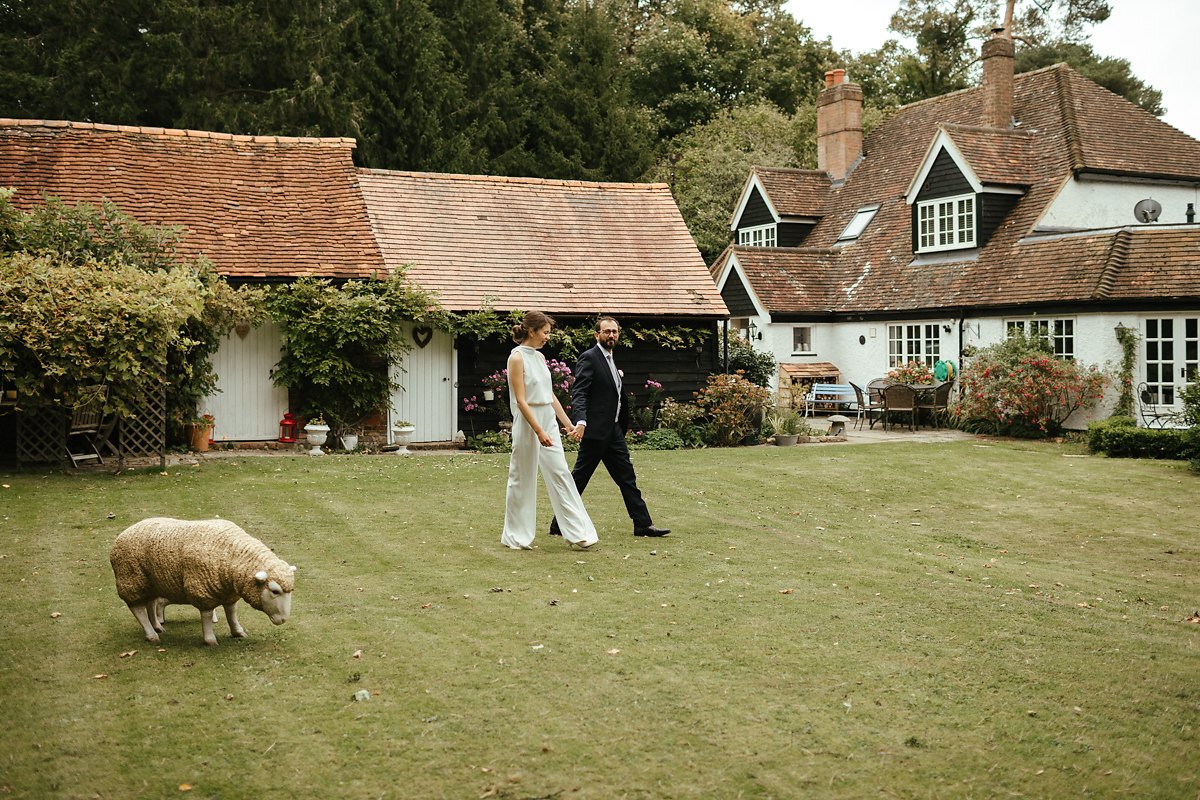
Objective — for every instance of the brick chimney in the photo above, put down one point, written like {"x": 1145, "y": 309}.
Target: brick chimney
{"x": 839, "y": 125}
{"x": 998, "y": 80}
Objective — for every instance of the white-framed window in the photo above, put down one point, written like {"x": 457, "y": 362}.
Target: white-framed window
{"x": 758, "y": 236}
{"x": 947, "y": 223}
{"x": 858, "y": 224}
{"x": 802, "y": 339}
{"x": 1058, "y": 333}
{"x": 920, "y": 343}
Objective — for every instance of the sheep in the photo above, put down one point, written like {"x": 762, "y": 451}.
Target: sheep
{"x": 203, "y": 563}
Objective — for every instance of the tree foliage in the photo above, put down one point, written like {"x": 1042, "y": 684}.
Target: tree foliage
{"x": 340, "y": 342}
{"x": 90, "y": 296}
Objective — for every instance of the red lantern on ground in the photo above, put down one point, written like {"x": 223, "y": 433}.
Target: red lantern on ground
{"x": 287, "y": 428}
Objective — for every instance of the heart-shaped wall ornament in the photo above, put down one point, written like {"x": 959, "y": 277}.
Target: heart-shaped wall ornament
{"x": 422, "y": 335}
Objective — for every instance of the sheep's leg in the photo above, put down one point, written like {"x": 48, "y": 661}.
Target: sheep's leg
{"x": 235, "y": 628}
{"x": 159, "y": 617}
{"x": 206, "y": 623}
{"x": 142, "y": 612}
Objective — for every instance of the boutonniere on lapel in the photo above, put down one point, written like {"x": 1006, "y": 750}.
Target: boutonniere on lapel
{"x": 621, "y": 372}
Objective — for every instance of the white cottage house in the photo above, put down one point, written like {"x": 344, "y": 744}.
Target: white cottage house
{"x": 1037, "y": 201}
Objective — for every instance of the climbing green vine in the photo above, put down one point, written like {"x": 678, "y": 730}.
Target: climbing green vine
{"x": 1128, "y": 339}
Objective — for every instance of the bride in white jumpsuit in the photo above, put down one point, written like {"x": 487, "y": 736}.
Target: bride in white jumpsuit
{"x": 537, "y": 444}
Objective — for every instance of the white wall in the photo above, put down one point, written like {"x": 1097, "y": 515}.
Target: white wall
{"x": 1089, "y": 204}
{"x": 1095, "y": 343}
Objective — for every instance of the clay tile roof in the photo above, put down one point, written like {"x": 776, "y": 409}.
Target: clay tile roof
{"x": 788, "y": 278}
{"x": 1065, "y": 124}
{"x": 1116, "y": 136}
{"x": 261, "y": 207}
{"x": 795, "y": 192}
{"x": 567, "y": 247}
{"x": 1003, "y": 157}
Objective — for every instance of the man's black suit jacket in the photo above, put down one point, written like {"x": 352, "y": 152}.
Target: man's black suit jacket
{"x": 595, "y": 398}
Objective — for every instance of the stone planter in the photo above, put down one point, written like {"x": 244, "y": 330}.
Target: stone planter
{"x": 349, "y": 441}
{"x": 317, "y": 434}
{"x": 786, "y": 439}
{"x": 402, "y": 435}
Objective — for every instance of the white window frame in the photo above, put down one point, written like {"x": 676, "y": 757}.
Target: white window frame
{"x": 920, "y": 342}
{"x": 799, "y": 338}
{"x": 946, "y": 223}
{"x": 1058, "y": 332}
{"x": 758, "y": 236}
{"x": 858, "y": 223}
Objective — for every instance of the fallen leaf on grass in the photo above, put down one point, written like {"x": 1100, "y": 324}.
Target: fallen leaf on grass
{"x": 56, "y": 615}
{"x": 357, "y": 654}
{"x": 1194, "y": 618}
{"x": 101, "y": 676}
{"x": 426, "y": 605}
{"x": 785, "y": 591}
{"x": 185, "y": 787}
{"x": 127, "y": 654}
{"x": 613, "y": 651}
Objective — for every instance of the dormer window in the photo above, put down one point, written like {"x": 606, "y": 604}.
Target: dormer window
{"x": 858, "y": 224}
{"x": 758, "y": 236}
{"x": 947, "y": 223}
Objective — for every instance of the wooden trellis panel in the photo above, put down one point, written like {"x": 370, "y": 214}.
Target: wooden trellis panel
{"x": 42, "y": 435}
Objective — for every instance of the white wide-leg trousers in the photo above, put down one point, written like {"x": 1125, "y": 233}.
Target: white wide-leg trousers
{"x": 520, "y": 507}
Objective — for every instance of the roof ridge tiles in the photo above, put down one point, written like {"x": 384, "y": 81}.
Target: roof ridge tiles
{"x": 146, "y": 130}
{"x": 1071, "y": 132}
{"x": 514, "y": 179}
{"x": 1118, "y": 254}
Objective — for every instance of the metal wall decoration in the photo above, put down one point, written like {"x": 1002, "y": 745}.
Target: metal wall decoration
{"x": 422, "y": 335}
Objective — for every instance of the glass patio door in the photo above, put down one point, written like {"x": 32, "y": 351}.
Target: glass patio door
{"x": 1171, "y": 348}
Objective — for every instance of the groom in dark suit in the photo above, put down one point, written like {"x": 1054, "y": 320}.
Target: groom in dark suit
{"x": 602, "y": 417}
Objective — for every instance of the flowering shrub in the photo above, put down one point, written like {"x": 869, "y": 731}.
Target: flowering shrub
{"x": 562, "y": 379}
{"x": 497, "y": 382}
{"x": 913, "y": 372}
{"x": 472, "y": 404}
{"x": 733, "y": 405}
{"x": 647, "y": 416}
{"x": 1017, "y": 387}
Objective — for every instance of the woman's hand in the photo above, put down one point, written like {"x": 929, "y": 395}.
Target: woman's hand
{"x": 545, "y": 439}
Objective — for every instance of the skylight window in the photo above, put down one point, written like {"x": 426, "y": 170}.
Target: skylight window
{"x": 858, "y": 224}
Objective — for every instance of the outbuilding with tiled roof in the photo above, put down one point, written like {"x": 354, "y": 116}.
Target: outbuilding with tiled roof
{"x": 574, "y": 249}
{"x": 262, "y": 209}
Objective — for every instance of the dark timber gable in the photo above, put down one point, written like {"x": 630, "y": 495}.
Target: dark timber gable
{"x": 736, "y": 298}
{"x": 756, "y": 212}
{"x": 945, "y": 179}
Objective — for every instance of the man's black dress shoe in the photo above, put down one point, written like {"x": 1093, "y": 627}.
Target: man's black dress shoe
{"x": 651, "y": 530}
{"x": 554, "y": 530}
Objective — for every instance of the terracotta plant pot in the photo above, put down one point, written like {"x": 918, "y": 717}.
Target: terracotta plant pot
{"x": 198, "y": 437}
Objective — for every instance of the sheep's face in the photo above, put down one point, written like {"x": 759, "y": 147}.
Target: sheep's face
{"x": 276, "y": 603}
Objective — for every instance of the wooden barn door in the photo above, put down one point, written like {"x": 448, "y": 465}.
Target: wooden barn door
{"x": 247, "y": 406}
{"x": 426, "y": 377}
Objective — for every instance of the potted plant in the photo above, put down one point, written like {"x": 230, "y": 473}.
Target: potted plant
{"x": 317, "y": 431}
{"x": 349, "y": 437}
{"x": 199, "y": 431}
{"x": 402, "y": 432}
{"x": 784, "y": 424}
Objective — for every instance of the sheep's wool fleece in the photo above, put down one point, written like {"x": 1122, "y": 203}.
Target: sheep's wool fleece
{"x": 205, "y": 563}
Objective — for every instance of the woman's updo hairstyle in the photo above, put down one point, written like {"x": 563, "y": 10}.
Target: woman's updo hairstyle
{"x": 531, "y": 322}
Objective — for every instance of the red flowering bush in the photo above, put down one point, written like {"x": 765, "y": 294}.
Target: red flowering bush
{"x": 1018, "y": 388}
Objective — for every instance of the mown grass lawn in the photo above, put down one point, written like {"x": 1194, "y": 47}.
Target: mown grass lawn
{"x": 967, "y": 620}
